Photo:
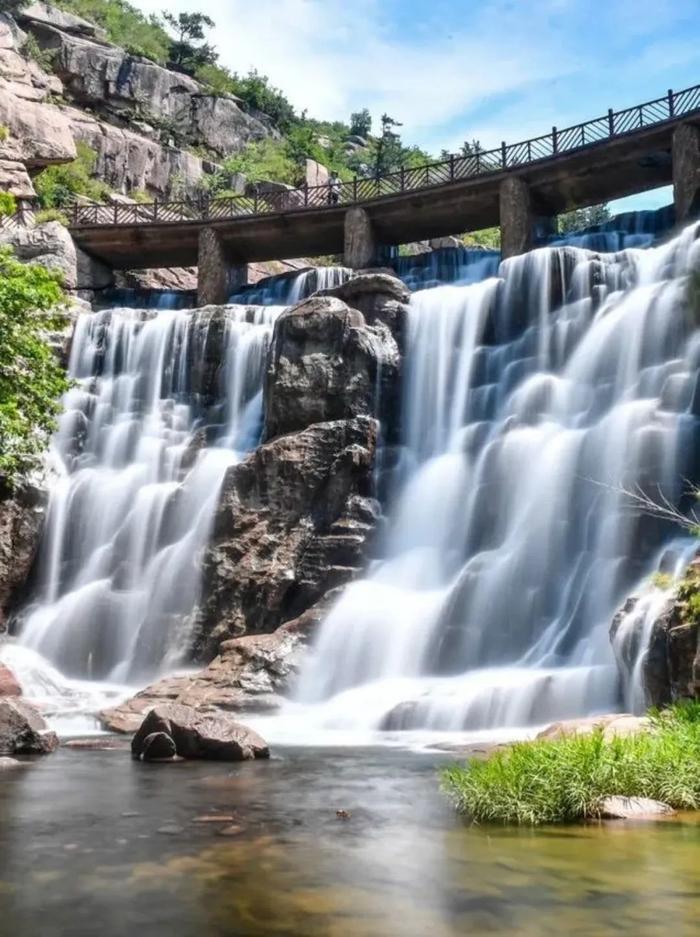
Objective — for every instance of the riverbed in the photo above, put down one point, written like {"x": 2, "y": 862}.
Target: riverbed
{"x": 335, "y": 842}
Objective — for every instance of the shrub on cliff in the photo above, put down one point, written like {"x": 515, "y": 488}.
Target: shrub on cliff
{"x": 555, "y": 780}
{"x": 57, "y": 186}
{"x": 31, "y": 377}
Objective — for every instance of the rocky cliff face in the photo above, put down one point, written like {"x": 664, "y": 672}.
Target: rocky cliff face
{"x": 21, "y": 518}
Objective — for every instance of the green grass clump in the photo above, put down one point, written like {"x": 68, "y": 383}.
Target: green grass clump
{"x": 549, "y": 781}
{"x": 51, "y": 214}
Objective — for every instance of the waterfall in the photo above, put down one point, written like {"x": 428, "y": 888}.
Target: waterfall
{"x": 148, "y": 431}
{"x": 531, "y": 401}
{"x": 287, "y": 289}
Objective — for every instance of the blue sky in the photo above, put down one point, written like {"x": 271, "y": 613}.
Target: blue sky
{"x": 449, "y": 71}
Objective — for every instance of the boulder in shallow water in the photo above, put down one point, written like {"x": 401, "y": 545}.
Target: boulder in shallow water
{"x": 198, "y": 735}
{"x": 23, "y": 730}
{"x": 9, "y": 684}
{"x": 633, "y": 808}
{"x": 158, "y": 746}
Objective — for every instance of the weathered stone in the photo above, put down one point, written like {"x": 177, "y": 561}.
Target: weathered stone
{"x": 174, "y": 278}
{"x": 158, "y": 746}
{"x": 90, "y": 273}
{"x": 21, "y": 519}
{"x": 515, "y": 217}
{"x": 614, "y": 725}
{"x": 23, "y": 730}
{"x": 448, "y": 242}
{"x": 327, "y": 364}
{"x": 380, "y": 297}
{"x": 633, "y": 808}
{"x": 217, "y": 277}
{"x": 294, "y": 521}
{"x": 686, "y": 172}
{"x": 14, "y": 178}
{"x": 200, "y": 736}
{"x": 316, "y": 174}
{"x": 122, "y": 86}
{"x": 44, "y": 14}
{"x": 9, "y": 684}
{"x": 249, "y": 675}
{"x": 48, "y": 244}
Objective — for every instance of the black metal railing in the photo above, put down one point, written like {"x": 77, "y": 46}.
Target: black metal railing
{"x": 551, "y": 145}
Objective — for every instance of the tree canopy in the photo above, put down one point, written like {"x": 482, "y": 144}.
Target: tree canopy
{"x": 32, "y": 379}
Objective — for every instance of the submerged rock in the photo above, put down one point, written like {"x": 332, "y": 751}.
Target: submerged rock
{"x": 23, "y": 730}
{"x": 197, "y": 735}
{"x": 633, "y": 808}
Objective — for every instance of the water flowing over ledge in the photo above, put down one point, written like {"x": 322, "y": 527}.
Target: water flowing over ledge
{"x": 529, "y": 400}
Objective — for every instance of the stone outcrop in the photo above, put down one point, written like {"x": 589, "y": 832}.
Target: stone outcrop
{"x": 195, "y": 735}
{"x": 250, "y": 674}
{"x": 293, "y": 523}
{"x": 123, "y": 88}
{"x": 327, "y": 364}
{"x": 38, "y": 132}
{"x": 671, "y": 666}
{"x": 615, "y": 725}
{"x": 42, "y": 14}
{"x": 48, "y": 244}
{"x": 21, "y": 519}
{"x": 379, "y": 296}
{"x": 23, "y": 730}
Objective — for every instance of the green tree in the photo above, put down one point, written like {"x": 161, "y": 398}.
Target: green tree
{"x": 31, "y": 377}
{"x": 185, "y": 54}
{"x": 582, "y": 218}
{"x": 57, "y": 186}
{"x": 361, "y": 123}
{"x": 388, "y": 149}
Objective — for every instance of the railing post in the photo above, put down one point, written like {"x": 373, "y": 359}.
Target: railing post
{"x": 611, "y": 122}
{"x": 529, "y": 152}
{"x": 403, "y": 178}
{"x": 155, "y": 210}
{"x": 306, "y": 196}
{"x": 641, "y": 116}
{"x": 354, "y": 189}
{"x": 116, "y": 213}
{"x": 503, "y": 154}
{"x": 670, "y": 103}
{"x": 478, "y": 163}
{"x": 255, "y": 202}
{"x": 427, "y": 174}
{"x": 583, "y": 134}
{"x": 554, "y": 141}
{"x": 452, "y": 167}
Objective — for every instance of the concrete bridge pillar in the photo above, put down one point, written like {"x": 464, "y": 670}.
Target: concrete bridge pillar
{"x": 516, "y": 217}
{"x": 686, "y": 171}
{"x": 361, "y": 248}
{"x": 217, "y": 277}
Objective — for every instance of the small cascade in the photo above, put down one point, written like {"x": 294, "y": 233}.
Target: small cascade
{"x": 290, "y": 288}
{"x": 532, "y": 400}
{"x": 149, "y": 430}
{"x": 132, "y": 298}
{"x": 454, "y": 265}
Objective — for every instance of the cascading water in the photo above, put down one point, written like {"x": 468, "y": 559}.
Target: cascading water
{"x": 531, "y": 402}
{"x": 288, "y": 289}
{"x": 144, "y": 441}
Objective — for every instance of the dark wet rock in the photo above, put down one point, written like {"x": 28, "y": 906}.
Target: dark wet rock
{"x": 327, "y": 364}
{"x": 158, "y": 746}
{"x": 295, "y": 520}
{"x": 633, "y": 808}
{"x": 23, "y": 730}
{"x": 9, "y": 684}
{"x": 198, "y": 735}
{"x": 21, "y": 519}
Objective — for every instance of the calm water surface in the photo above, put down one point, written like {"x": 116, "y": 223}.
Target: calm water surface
{"x": 94, "y": 844}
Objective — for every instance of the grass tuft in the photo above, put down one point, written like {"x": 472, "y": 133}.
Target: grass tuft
{"x": 563, "y": 780}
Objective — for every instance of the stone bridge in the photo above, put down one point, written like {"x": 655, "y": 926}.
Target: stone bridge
{"x": 515, "y": 186}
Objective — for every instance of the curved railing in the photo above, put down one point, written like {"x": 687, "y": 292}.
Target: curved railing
{"x": 614, "y": 124}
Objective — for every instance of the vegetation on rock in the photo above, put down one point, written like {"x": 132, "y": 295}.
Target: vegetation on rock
{"x": 562, "y": 780}
{"x": 31, "y": 377}
{"x": 57, "y": 186}
{"x": 8, "y": 204}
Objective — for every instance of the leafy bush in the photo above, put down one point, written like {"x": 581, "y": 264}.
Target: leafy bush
{"x": 4, "y": 133}
{"x": 31, "y": 378}
{"x": 564, "y": 780}
{"x": 141, "y": 196}
{"x": 266, "y": 159}
{"x": 51, "y": 214}
{"x": 57, "y": 186}
{"x": 8, "y": 204}
{"x": 44, "y": 58}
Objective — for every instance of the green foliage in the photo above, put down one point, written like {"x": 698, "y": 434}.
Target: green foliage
{"x": 51, "y": 214}
{"x": 125, "y": 26}
{"x": 187, "y": 51}
{"x": 8, "y": 204}
{"x": 4, "y": 133}
{"x": 44, "y": 58}
{"x": 31, "y": 378}
{"x": 563, "y": 780}
{"x": 57, "y": 186}
{"x": 489, "y": 238}
{"x": 582, "y": 218}
{"x": 141, "y": 196}
{"x": 361, "y": 123}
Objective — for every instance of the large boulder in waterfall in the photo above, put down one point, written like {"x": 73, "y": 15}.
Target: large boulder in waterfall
{"x": 48, "y": 244}
{"x": 379, "y": 296}
{"x": 326, "y": 364}
{"x": 670, "y": 665}
{"x": 197, "y": 735}
{"x": 295, "y": 520}
{"x": 23, "y": 730}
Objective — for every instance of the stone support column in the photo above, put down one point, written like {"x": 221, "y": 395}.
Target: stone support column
{"x": 361, "y": 247}
{"x": 686, "y": 172}
{"x": 515, "y": 217}
{"x": 217, "y": 277}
